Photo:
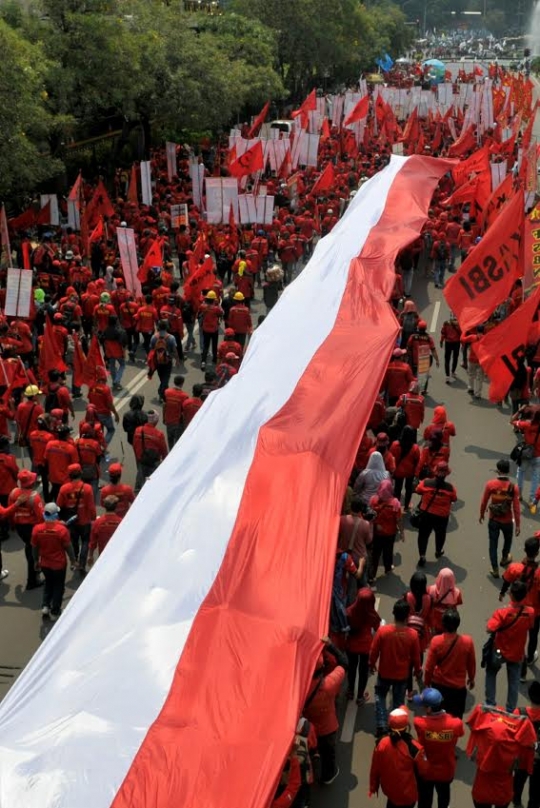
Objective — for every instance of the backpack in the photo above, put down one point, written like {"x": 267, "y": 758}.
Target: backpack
{"x": 338, "y": 605}
{"x": 51, "y": 400}
{"x": 502, "y": 507}
{"x": 161, "y": 352}
{"x": 441, "y": 250}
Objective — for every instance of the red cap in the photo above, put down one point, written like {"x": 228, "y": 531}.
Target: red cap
{"x": 229, "y": 332}
{"x": 398, "y": 720}
{"x": 115, "y": 468}
{"x": 422, "y": 325}
{"x": 74, "y": 468}
{"x": 442, "y": 468}
{"x": 26, "y": 478}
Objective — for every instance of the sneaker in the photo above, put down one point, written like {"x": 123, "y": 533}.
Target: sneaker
{"x": 3, "y": 574}
{"x": 470, "y": 391}
{"x": 439, "y": 554}
{"x": 533, "y": 660}
{"x": 331, "y": 780}
{"x": 361, "y": 700}
{"x": 45, "y": 612}
{"x": 54, "y": 617}
{"x": 523, "y": 676}
{"x": 505, "y": 560}
{"x": 421, "y": 561}
{"x": 494, "y": 572}
{"x": 203, "y": 365}
{"x": 448, "y": 380}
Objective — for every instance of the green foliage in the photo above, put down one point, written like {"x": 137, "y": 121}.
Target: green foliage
{"x": 24, "y": 119}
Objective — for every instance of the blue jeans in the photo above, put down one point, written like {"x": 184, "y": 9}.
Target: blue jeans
{"x": 494, "y": 528}
{"x": 454, "y": 252}
{"x": 107, "y": 422}
{"x": 382, "y": 688}
{"x": 513, "y": 670}
{"x": 440, "y": 268}
{"x": 116, "y": 369}
{"x": 535, "y": 475}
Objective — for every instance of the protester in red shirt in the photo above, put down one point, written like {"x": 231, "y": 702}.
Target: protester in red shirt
{"x": 438, "y": 733}
{"x": 431, "y": 455}
{"x": 174, "y": 398}
{"x": 501, "y": 498}
{"x": 387, "y": 525}
{"x": 149, "y": 447}
{"x": 8, "y": 478}
{"x": 521, "y": 775}
{"x": 37, "y": 443}
{"x": 510, "y": 625}
{"x": 58, "y": 397}
{"x": 51, "y": 542}
{"x": 381, "y": 446}
{"x": 60, "y": 453}
{"x": 377, "y": 414}
{"x": 240, "y": 320}
{"x": 210, "y": 313}
{"x": 76, "y": 499}
{"x": 28, "y": 512}
{"x": 397, "y": 762}
{"x": 103, "y": 528}
{"x": 528, "y": 572}
{"x": 123, "y": 492}
{"x": 103, "y": 311}
{"x": 396, "y": 649}
{"x": 441, "y": 423}
{"x": 146, "y": 320}
{"x": 100, "y": 395}
{"x": 229, "y": 345}
{"x": 436, "y": 504}
{"x": 363, "y": 621}
{"x": 127, "y": 313}
{"x": 451, "y": 664}
{"x": 27, "y": 414}
{"x": 398, "y": 377}
{"x": 90, "y": 454}
{"x": 412, "y": 404}
{"x": 530, "y": 427}
{"x": 406, "y": 453}
{"x": 451, "y": 339}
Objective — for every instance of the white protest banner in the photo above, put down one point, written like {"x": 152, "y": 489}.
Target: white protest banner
{"x": 264, "y": 209}
{"x": 498, "y": 173}
{"x": 397, "y": 148}
{"x": 4, "y": 233}
{"x": 170, "y": 150}
{"x": 128, "y": 258}
{"x": 229, "y": 196}
{"x": 146, "y": 182}
{"x": 179, "y": 216}
{"x": 53, "y": 199}
{"x": 74, "y": 220}
{"x": 312, "y": 150}
{"x": 196, "y": 172}
{"x": 18, "y": 292}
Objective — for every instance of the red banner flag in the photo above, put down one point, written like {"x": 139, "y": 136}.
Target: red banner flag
{"x": 325, "y": 130}
{"x": 99, "y": 205}
{"x": 325, "y": 181}
{"x": 498, "y": 199}
{"x": 153, "y": 258}
{"x": 93, "y": 361}
{"x": 465, "y": 142}
{"x": 286, "y": 166}
{"x": 98, "y": 231}
{"x": 501, "y": 349}
{"x": 251, "y": 161}
{"x": 476, "y": 163}
{"x": 132, "y": 194}
{"x": 465, "y": 193}
{"x": 203, "y": 278}
{"x": 197, "y": 255}
{"x": 358, "y": 112}
{"x": 309, "y": 105}
{"x": 24, "y": 221}
{"x": 44, "y": 215}
{"x": 412, "y": 128}
{"x": 49, "y": 355}
{"x": 75, "y": 192}
{"x": 489, "y": 272}
{"x": 437, "y": 139}
{"x": 259, "y": 120}
{"x": 79, "y": 361}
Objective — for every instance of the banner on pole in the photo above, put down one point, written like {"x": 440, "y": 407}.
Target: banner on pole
{"x": 128, "y": 259}
{"x": 170, "y": 150}
{"x": 146, "y": 182}
{"x": 18, "y": 292}
{"x": 179, "y": 216}
{"x": 55, "y": 214}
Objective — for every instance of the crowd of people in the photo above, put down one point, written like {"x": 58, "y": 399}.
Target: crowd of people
{"x": 86, "y": 325}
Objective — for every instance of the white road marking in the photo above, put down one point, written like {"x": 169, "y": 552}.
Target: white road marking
{"x": 436, "y": 310}
{"x": 128, "y": 390}
{"x": 139, "y": 380}
{"x": 377, "y": 604}
{"x": 347, "y": 731}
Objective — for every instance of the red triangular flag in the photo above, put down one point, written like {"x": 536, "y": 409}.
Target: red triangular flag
{"x": 44, "y": 215}
{"x": 325, "y": 130}
{"x": 99, "y": 205}
{"x": 49, "y": 356}
{"x": 97, "y": 232}
{"x": 259, "y": 120}
{"x": 359, "y": 111}
{"x": 79, "y": 361}
{"x": 132, "y": 188}
{"x": 198, "y": 254}
{"x": 76, "y": 190}
{"x": 153, "y": 258}
{"x": 203, "y": 278}
{"x": 93, "y": 361}
{"x": 251, "y": 161}
{"x": 325, "y": 180}
{"x": 309, "y": 105}
{"x": 286, "y": 166}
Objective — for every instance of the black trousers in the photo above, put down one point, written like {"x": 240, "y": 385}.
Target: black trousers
{"x": 209, "y": 338}
{"x": 164, "y": 374}
{"x": 382, "y": 545}
{"x": 358, "y": 663}
{"x": 430, "y": 523}
{"x": 398, "y": 487}
{"x": 25, "y": 533}
{"x": 454, "y": 699}
{"x": 53, "y": 591}
{"x": 489, "y": 805}
{"x": 146, "y": 338}
{"x": 393, "y": 805}
{"x": 426, "y": 789}
{"x": 44, "y": 474}
{"x": 241, "y": 339}
{"x": 80, "y": 538}
{"x": 54, "y": 491}
{"x": 520, "y": 778}
{"x": 132, "y": 339}
{"x": 451, "y": 356}
{"x": 327, "y": 751}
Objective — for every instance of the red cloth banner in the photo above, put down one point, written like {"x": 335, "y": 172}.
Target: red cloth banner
{"x": 531, "y": 250}
{"x": 358, "y": 112}
{"x": 153, "y": 258}
{"x": 465, "y": 142}
{"x": 325, "y": 181}
{"x": 488, "y": 273}
{"x": 309, "y": 105}
{"x": 498, "y": 200}
{"x": 248, "y": 163}
{"x": 49, "y": 355}
{"x": 500, "y": 350}
{"x": 259, "y": 120}
{"x": 93, "y": 361}
{"x": 79, "y": 361}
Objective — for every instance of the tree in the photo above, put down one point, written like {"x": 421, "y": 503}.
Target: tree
{"x": 25, "y": 121}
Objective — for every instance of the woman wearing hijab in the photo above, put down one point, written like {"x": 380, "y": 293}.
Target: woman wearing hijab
{"x": 431, "y": 455}
{"x": 408, "y": 320}
{"x": 368, "y": 481}
{"x": 386, "y": 525}
{"x": 407, "y": 454}
{"x": 440, "y": 422}
{"x": 420, "y": 606}
{"x": 363, "y": 623}
{"x": 444, "y": 595}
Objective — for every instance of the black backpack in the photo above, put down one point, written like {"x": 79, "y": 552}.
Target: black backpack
{"x": 51, "y": 400}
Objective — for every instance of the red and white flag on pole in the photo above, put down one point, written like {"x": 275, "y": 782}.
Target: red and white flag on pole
{"x": 199, "y": 583}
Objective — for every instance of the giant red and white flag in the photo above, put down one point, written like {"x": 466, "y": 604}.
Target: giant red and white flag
{"x": 176, "y": 674}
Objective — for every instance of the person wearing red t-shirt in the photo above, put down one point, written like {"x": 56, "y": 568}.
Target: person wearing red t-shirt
{"x": 103, "y": 528}
{"x": 28, "y": 512}
{"x": 123, "y": 492}
{"x": 363, "y": 621}
{"x": 377, "y": 414}
{"x": 192, "y": 405}
{"x": 51, "y": 543}
{"x": 229, "y": 345}
{"x": 149, "y": 447}
{"x": 451, "y": 339}
{"x": 530, "y": 427}
{"x": 501, "y": 498}
{"x": 406, "y": 453}
{"x": 8, "y": 478}
{"x": 100, "y": 395}
{"x": 287, "y": 255}
{"x": 76, "y": 499}
{"x": 510, "y": 625}
{"x": 57, "y": 396}
{"x": 397, "y": 762}
{"x": 382, "y": 446}
{"x": 240, "y": 319}
{"x": 532, "y": 711}
{"x": 438, "y": 734}
{"x": 453, "y": 231}
{"x": 210, "y": 313}
{"x": 146, "y": 320}
{"x": 103, "y": 311}
{"x": 90, "y": 453}
{"x": 174, "y": 398}
{"x": 431, "y": 455}
{"x": 387, "y": 524}
{"x": 60, "y": 453}
{"x": 27, "y": 414}
{"x": 474, "y": 368}
{"x": 127, "y": 313}
{"x": 441, "y": 423}
{"x": 436, "y": 504}
{"x": 398, "y": 377}
{"x": 451, "y": 664}
{"x": 396, "y": 650}
{"x": 528, "y": 572}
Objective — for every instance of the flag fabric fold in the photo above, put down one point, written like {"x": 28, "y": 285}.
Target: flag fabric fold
{"x": 359, "y": 111}
{"x": 325, "y": 180}
{"x": 309, "y": 105}
{"x": 93, "y": 361}
{"x": 259, "y": 120}
{"x": 49, "y": 355}
{"x": 153, "y": 258}
{"x": 248, "y": 163}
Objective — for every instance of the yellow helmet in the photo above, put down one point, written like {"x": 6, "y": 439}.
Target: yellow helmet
{"x": 238, "y": 296}
{"x": 32, "y": 390}
{"x": 211, "y": 295}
